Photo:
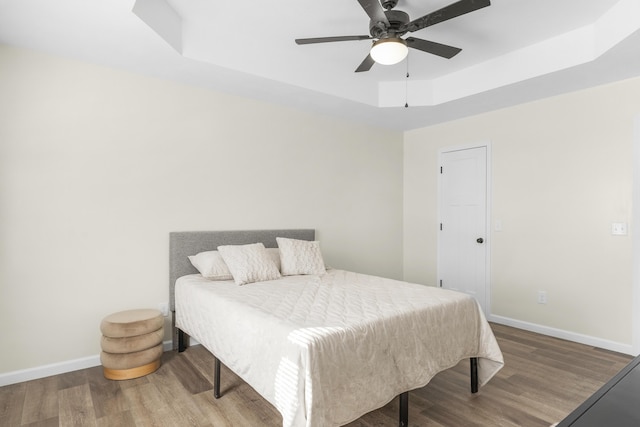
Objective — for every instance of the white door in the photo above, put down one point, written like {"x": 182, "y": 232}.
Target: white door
{"x": 462, "y": 242}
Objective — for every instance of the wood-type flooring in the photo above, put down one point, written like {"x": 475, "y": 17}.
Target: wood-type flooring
{"x": 542, "y": 381}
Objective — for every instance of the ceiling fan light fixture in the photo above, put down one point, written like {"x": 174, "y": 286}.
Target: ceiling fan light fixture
{"x": 389, "y": 51}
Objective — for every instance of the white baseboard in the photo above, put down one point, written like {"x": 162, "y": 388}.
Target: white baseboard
{"x": 56, "y": 368}
{"x": 566, "y": 335}
{"x": 48, "y": 370}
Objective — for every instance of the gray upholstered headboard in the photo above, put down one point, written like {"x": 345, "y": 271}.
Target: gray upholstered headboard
{"x": 185, "y": 243}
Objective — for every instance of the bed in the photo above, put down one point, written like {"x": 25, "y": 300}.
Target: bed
{"x": 327, "y": 348}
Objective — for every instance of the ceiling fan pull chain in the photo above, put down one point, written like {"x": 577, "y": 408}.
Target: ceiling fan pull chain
{"x": 406, "y": 87}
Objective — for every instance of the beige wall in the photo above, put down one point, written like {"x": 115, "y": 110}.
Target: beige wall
{"x": 97, "y": 166}
{"x": 562, "y": 173}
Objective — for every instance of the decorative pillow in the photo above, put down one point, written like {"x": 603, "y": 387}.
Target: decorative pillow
{"x": 249, "y": 263}
{"x": 211, "y": 265}
{"x": 300, "y": 257}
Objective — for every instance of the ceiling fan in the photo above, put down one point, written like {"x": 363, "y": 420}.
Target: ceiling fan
{"x": 388, "y": 26}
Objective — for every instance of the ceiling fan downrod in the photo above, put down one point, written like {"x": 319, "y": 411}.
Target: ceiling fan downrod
{"x": 389, "y": 4}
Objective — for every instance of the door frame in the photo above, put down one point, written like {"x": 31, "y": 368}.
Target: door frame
{"x": 635, "y": 242}
{"x": 486, "y": 304}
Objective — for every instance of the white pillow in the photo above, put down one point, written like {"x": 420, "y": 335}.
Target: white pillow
{"x": 249, "y": 263}
{"x": 300, "y": 257}
{"x": 211, "y": 265}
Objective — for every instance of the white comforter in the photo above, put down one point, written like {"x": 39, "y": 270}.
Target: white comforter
{"x": 324, "y": 350}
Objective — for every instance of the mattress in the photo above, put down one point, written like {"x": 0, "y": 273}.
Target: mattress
{"x": 324, "y": 350}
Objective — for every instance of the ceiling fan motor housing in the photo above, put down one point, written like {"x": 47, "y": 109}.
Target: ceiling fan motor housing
{"x": 397, "y": 20}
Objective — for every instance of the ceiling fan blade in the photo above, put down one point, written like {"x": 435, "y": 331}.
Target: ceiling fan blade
{"x": 434, "y": 48}
{"x": 448, "y": 12}
{"x": 375, "y": 11}
{"x": 331, "y": 39}
{"x": 366, "y": 64}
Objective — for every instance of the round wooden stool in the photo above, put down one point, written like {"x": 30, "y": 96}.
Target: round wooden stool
{"x": 131, "y": 343}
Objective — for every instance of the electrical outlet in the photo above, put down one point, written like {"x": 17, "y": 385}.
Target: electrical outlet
{"x": 542, "y": 297}
{"x": 619, "y": 228}
{"x": 164, "y": 308}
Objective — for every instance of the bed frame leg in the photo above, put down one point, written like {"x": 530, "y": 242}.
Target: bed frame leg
{"x": 474, "y": 374}
{"x": 404, "y": 409}
{"x": 182, "y": 341}
{"x": 216, "y": 378}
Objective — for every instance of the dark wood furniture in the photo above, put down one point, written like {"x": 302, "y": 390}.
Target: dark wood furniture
{"x": 616, "y": 404}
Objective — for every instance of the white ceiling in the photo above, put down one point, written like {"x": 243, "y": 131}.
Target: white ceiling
{"x": 513, "y": 51}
